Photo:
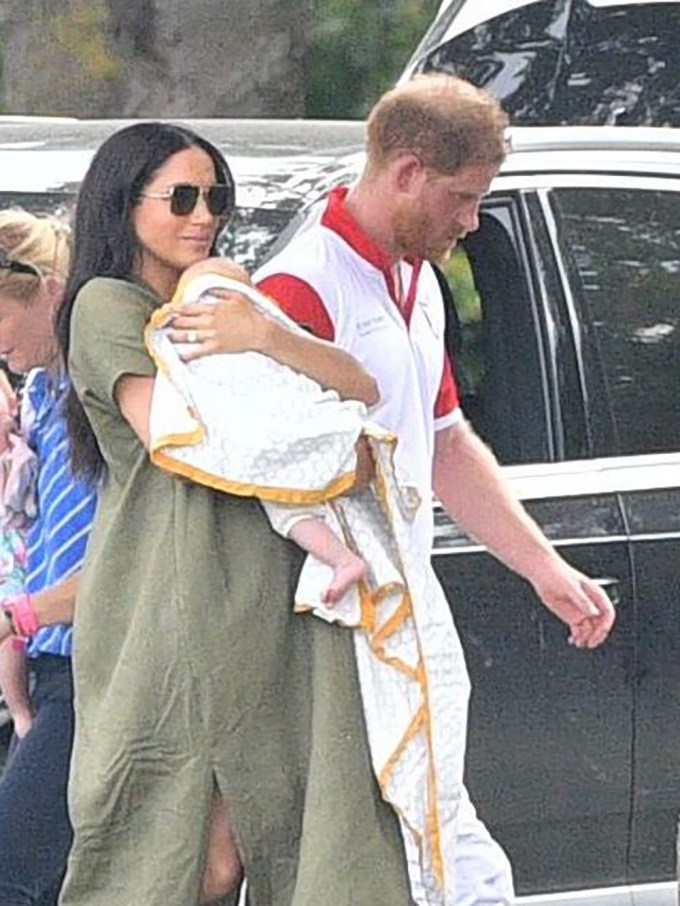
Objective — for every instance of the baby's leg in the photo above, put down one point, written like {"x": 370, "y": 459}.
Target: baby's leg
{"x": 314, "y": 536}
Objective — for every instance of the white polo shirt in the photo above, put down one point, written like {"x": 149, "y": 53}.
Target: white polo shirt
{"x": 334, "y": 280}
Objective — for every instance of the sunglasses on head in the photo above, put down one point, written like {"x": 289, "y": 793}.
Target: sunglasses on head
{"x": 219, "y": 198}
{"x": 17, "y": 267}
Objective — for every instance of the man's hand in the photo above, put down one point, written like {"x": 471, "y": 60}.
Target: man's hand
{"x": 577, "y": 600}
{"x": 470, "y": 485}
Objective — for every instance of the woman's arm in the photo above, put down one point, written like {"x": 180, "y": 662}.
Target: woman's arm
{"x": 133, "y": 394}
{"x": 234, "y": 325}
{"x": 56, "y": 604}
{"x": 53, "y": 605}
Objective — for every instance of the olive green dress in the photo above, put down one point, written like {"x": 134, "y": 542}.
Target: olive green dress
{"x": 191, "y": 669}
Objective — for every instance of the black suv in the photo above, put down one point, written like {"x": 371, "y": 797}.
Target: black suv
{"x": 564, "y": 326}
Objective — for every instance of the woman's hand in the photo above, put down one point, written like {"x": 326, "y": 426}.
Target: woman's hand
{"x": 232, "y": 324}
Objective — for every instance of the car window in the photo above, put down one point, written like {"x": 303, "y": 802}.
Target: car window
{"x": 251, "y": 234}
{"x": 622, "y": 247}
{"x": 248, "y": 237}
{"x": 493, "y": 340}
{"x": 58, "y": 203}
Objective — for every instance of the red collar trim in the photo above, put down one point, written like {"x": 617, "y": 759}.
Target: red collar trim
{"x": 336, "y": 217}
{"x": 410, "y": 300}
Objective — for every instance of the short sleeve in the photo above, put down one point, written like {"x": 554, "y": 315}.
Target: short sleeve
{"x": 300, "y": 302}
{"x": 107, "y": 337}
{"x": 447, "y": 405}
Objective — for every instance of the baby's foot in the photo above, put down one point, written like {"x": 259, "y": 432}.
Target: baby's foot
{"x": 350, "y": 570}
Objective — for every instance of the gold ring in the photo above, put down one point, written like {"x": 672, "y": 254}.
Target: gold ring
{"x": 192, "y": 336}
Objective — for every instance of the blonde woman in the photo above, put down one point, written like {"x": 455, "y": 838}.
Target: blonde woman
{"x": 35, "y": 833}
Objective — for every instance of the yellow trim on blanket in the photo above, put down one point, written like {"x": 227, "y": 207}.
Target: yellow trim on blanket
{"x": 433, "y": 821}
{"x": 338, "y": 486}
{"x": 162, "y": 315}
{"x": 423, "y": 718}
{"x": 378, "y": 636}
{"x": 335, "y": 488}
{"x": 366, "y": 606}
{"x": 381, "y": 637}
{"x": 186, "y": 438}
{"x": 411, "y": 732}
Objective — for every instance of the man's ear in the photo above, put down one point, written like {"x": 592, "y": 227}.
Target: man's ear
{"x": 408, "y": 172}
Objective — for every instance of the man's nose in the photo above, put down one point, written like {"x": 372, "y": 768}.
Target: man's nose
{"x": 469, "y": 216}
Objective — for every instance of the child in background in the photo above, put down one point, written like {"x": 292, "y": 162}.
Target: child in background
{"x": 17, "y": 506}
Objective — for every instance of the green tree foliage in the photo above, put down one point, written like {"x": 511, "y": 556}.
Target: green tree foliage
{"x": 357, "y": 49}
{"x": 323, "y": 58}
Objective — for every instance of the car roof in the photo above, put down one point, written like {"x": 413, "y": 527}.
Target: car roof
{"x": 257, "y": 137}
{"x": 282, "y": 163}
{"x": 43, "y": 154}
{"x": 603, "y": 149}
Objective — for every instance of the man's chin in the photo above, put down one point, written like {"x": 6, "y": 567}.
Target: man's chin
{"x": 442, "y": 254}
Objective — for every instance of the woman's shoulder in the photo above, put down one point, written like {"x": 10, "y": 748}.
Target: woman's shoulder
{"x": 103, "y": 300}
{"x": 116, "y": 287}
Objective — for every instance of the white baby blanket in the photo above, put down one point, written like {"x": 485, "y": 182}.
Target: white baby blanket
{"x": 248, "y": 425}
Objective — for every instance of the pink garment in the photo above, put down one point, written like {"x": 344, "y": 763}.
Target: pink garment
{"x": 17, "y": 483}
{"x": 17, "y": 508}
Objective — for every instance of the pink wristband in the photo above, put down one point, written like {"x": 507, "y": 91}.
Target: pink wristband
{"x": 23, "y": 613}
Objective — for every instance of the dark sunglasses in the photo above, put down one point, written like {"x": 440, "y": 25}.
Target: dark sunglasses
{"x": 219, "y": 198}
{"x": 17, "y": 267}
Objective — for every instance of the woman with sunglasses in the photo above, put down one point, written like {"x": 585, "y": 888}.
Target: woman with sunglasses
{"x": 35, "y": 833}
{"x": 193, "y": 674}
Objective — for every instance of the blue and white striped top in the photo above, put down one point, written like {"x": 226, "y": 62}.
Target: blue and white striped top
{"x": 58, "y": 536}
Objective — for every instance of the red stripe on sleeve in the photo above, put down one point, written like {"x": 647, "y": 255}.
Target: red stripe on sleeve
{"x": 447, "y": 397}
{"x": 300, "y": 302}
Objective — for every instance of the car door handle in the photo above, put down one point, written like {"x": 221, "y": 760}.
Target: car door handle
{"x": 611, "y": 586}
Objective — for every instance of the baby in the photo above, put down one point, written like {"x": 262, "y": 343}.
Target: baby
{"x": 303, "y": 524}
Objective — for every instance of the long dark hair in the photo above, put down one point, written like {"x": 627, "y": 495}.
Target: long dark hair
{"x": 104, "y": 241}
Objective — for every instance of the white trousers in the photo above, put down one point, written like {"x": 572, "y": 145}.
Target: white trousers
{"x": 483, "y": 871}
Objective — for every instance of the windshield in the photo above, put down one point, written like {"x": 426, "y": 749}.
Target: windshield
{"x": 554, "y": 62}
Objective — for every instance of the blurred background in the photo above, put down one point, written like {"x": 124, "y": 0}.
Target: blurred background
{"x": 204, "y": 58}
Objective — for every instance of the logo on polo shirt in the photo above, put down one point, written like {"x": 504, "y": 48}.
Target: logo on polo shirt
{"x": 372, "y": 324}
